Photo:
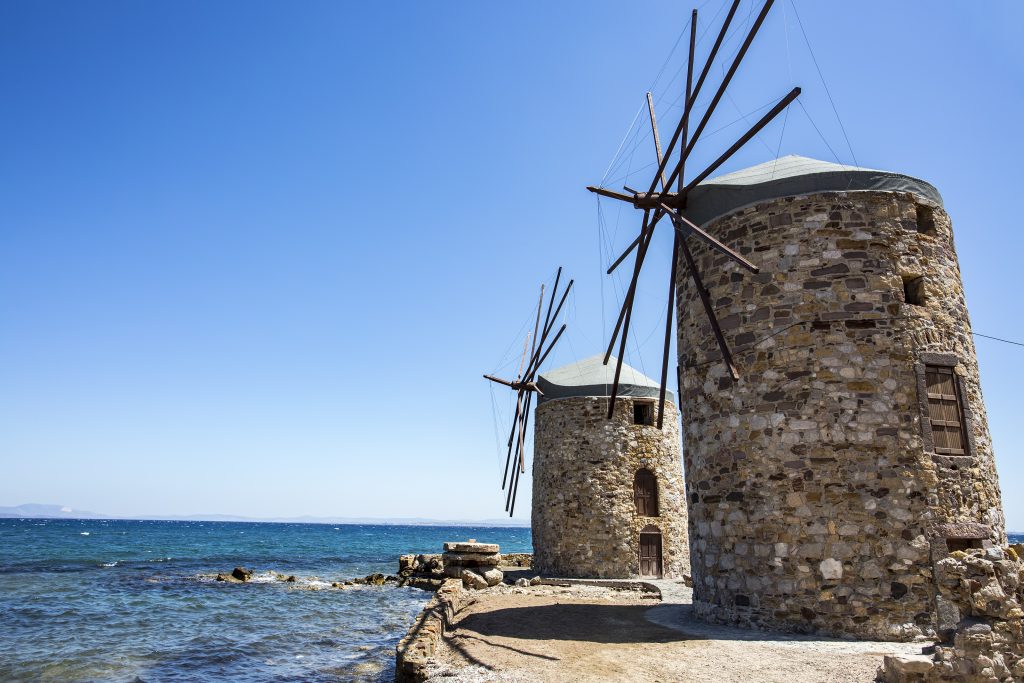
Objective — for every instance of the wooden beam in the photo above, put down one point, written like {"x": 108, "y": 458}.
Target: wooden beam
{"x": 691, "y": 228}
{"x": 690, "y": 102}
{"x": 744, "y": 139}
{"x": 728, "y": 75}
{"x": 627, "y": 300}
{"x": 726, "y": 355}
{"x": 610, "y": 193}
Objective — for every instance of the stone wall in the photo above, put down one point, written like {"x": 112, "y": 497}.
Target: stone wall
{"x": 980, "y": 595}
{"x": 584, "y": 516}
{"x": 413, "y": 652}
{"x": 816, "y": 503}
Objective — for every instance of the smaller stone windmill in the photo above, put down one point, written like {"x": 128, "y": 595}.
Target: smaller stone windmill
{"x": 525, "y": 387}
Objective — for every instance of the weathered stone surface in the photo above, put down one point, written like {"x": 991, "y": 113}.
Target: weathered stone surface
{"x": 471, "y": 547}
{"x": 493, "y": 576}
{"x": 470, "y": 579}
{"x": 523, "y": 583}
{"x": 472, "y": 559}
{"x": 987, "y": 644}
{"x": 414, "y": 651}
{"x": 585, "y": 521}
{"x": 821, "y": 451}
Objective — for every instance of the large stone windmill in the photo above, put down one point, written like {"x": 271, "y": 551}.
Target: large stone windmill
{"x": 828, "y": 482}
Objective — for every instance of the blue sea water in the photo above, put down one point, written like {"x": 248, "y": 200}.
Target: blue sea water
{"x": 115, "y": 600}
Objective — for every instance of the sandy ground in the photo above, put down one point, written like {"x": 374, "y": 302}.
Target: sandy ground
{"x": 586, "y": 634}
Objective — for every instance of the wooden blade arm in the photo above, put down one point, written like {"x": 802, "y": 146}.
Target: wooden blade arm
{"x": 611, "y": 194}
{"x": 693, "y": 98}
{"x": 690, "y": 228}
{"x": 755, "y": 129}
{"x": 699, "y": 284}
{"x": 728, "y": 77}
{"x": 627, "y": 302}
{"x": 668, "y": 329}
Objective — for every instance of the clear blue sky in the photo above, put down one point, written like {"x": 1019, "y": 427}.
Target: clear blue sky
{"x": 255, "y": 256}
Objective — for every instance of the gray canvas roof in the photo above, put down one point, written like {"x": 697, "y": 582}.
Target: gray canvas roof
{"x": 790, "y": 176}
{"x": 591, "y": 377}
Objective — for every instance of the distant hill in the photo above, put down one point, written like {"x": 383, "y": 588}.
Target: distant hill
{"x": 36, "y": 511}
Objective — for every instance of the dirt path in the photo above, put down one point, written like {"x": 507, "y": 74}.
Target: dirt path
{"x": 585, "y": 634}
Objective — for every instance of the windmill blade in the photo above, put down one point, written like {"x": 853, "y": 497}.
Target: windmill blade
{"x": 627, "y": 305}
{"x": 725, "y": 83}
{"x": 654, "y": 128}
{"x": 693, "y": 98}
{"x": 522, "y": 466}
{"x": 676, "y": 238}
{"x": 536, "y": 324}
{"x": 511, "y": 436}
{"x": 518, "y": 452}
{"x": 690, "y": 228}
{"x": 550, "y": 347}
{"x": 627, "y": 301}
{"x": 612, "y": 194}
{"x": 547, "y": 315}
{"x": 754, "y": 130}
{"x": 623, "y": 255}
{"x": 699, "y": 284}
{"x": 500, "y": 381}
{"x": 534, "y": 365}
{"x": 686, "y": 111}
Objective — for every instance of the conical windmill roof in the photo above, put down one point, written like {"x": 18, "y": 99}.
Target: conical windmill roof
{"x": 791, "y": 176}
{"x": 591, "y": 377}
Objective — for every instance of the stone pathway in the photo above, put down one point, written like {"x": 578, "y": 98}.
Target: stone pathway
{"x": 676, "y": 612}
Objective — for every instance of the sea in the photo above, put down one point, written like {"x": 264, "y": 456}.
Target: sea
{"x": 138, "y": 601}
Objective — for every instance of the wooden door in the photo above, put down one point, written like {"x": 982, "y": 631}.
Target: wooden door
{"x": 650, "y": 553}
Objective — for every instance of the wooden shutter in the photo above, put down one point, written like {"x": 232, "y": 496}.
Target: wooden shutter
{"x": 944, "y": 411}
{"x": 645, "y": 494}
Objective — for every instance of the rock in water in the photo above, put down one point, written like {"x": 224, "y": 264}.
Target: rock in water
{"x": 241, "y": 574}
{"x": 471, "y": 579}
{"x": 493, "y": 577}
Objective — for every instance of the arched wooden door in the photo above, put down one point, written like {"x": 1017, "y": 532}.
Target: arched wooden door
{"x": 650, "y": 551}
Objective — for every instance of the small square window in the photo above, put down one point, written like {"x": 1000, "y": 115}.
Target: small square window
{"x": 643, "y": 413}
{"x": 913, "y": 290}
{"x": 925, "y": 220}
{"x": 955, "y": 544}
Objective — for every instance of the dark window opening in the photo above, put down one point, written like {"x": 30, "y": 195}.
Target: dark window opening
{"x": 913, "y": 290}
{"x": 645, "y": 493}
{"x": 955, "y": 544}
{"x": 945, "y": 411}
{"x": 925, "y": 220}
{"x": 643, "y": 413}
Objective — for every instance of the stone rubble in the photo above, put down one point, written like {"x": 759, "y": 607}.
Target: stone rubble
{"x": 980, "y": 597}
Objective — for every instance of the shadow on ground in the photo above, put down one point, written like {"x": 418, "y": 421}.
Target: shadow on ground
{"x": 586, "y": 622}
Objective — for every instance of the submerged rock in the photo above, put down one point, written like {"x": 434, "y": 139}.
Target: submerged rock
{"x": 241, "y": 573}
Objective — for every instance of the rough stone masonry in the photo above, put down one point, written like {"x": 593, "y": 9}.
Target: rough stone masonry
{"x": 585, "y": 519}
{"x": 818, "y": 498}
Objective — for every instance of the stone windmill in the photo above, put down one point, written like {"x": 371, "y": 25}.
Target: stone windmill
{"x": 536, "y": 353}
{"x": 660, "y": 200}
